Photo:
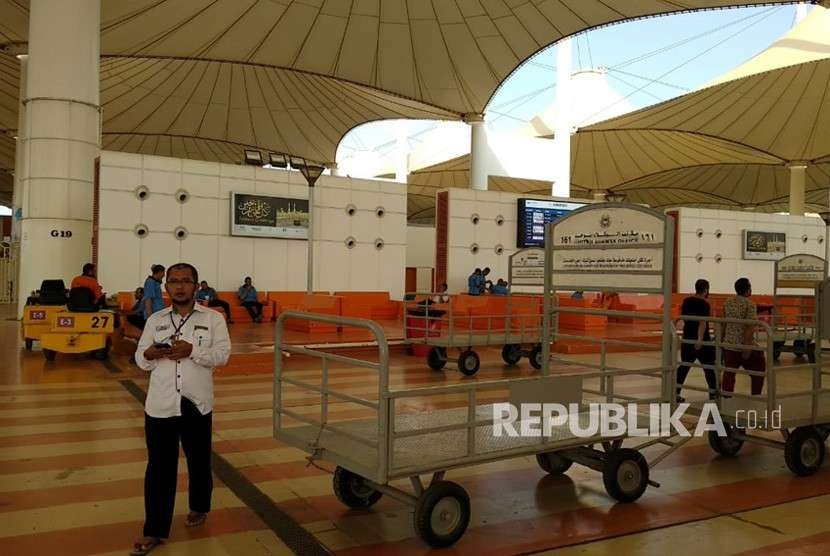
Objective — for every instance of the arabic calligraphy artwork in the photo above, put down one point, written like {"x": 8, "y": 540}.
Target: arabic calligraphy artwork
{"x": 767, "y": 246}
{"x": 268, "y": 216}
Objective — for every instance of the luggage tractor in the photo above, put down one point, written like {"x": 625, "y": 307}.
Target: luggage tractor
{"x": 41, "y": 310}
{"x": 80, "y": 328}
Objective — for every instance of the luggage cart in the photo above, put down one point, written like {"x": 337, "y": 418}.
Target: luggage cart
{"x": 793, "y": 311}
{"x": 513, "y": 321}
{"x": 409, "y": 433}
{"x": 405, "y": 433}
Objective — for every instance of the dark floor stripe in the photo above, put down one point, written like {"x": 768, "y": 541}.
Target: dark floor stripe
{"x": 295, "y": 537}
{"x": 111, "y": 367}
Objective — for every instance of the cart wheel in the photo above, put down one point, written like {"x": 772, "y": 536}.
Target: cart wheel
{"x": 811, "y": 352}
{"x": 437, "y": 358}
{"x": 728, "y": 445}
{"x": 103, "y": 353}
{"x": 776, "y": 350}
{"x": 49, "y": 354}
{"x": 799, "y": 347}
{"x": 352, "y": 490}
{"x": 442, "y": 514}
{"x": 553, "y": 463}
{"x": 511, "y": 353}
{"x": 625, "y": 474}
{"x": 468, "y": 362}
{"x": 804, "y": 451}
{"x": 535, "y": 357}
{"x": 29, "y": 342}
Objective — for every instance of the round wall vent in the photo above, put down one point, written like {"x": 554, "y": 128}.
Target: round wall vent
{"x": 699, "y": 257}
{"x": 180, "y": 233}
{"x": 804, "y": 238}
{"x": 474, "y": 218}
{"x": 499, "y": 249}
{"x": 699, "y": 232}
{"x": 474, "y": 248}
{"x": 351, "y": 210}
{"x": 350, "y": 242}
{"x": 379, "y": 243}
{"x": 141, "y": 230}
{"x": 380, "y": 211}
{"x": 820, "y": 239}
{"x": 718, "y": 258}
{"x": 142, "y": 192}
{"x": 718, "y": 233}
{"x": 499, "y": 220}
{"x": 182, "y": 196}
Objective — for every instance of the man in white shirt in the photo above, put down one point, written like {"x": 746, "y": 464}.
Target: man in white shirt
{"x": 180, "y": 347}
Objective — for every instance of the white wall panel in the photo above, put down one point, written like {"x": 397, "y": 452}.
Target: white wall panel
{"x": 275, "y": 264}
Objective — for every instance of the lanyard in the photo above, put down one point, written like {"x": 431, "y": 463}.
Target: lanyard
{"x": 178, "y": 328}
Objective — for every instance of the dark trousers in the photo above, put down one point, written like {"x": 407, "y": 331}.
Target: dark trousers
{"x": 223, "y": 304}
{"x": 163, "y": 435}
{"x": 755, "y": 362}
{"x": 254, "y": 309}
{"x": 137, "y": 320}
{"x": 706, "y": 356}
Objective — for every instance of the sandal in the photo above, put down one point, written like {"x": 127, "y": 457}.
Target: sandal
{"x": 145, "y": 547}
{"x": 194, "y": 519}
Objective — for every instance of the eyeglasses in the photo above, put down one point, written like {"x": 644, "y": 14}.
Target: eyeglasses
{"x": 180, "y": 282}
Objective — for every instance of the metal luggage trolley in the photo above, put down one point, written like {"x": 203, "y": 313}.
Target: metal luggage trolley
{"x": 796, "y": 404}
{"x": 513, "y": 321}
{"x": 793, "y": 308}
{"x": 390, "y": 431}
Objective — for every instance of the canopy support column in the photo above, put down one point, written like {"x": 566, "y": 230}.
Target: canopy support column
{"x": 798, "y": 177}
{"x": 479, "y": 151}
{"x": 562, "y": 128}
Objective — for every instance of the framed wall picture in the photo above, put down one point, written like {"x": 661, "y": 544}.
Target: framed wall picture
{"x": 764, "y": 246}
{"x": 260, "y": 215}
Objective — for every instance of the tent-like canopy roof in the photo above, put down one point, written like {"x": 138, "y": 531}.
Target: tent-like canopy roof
{"x": 424, "y": 183}
{"x": 294, "y": 76}
{"x": 727, "y": 144}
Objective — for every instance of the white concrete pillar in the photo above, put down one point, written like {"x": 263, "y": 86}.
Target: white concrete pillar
{"x": 61, "y": 140}
{"x": 801, "y": 11}
{"x": 401, "y": 151}
{"x": 562, "y": 127}
{"x": 479, "y": 151}
{"x": 19, "y": 159}
{"x": 798, "y": 177}
{"x": 334, "y": 169}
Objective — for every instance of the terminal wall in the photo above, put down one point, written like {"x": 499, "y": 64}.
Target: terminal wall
{"x": 224, "y": 260}
{"x": 722, "y": 275}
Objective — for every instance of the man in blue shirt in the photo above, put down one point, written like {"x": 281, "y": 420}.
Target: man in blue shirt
{"x": 152, "y": 300}
{"x": 247, "y": 295}
{"x": 474, "y": 282}
{"x": 499, "y": 288}
{"x": 208, "y": 296}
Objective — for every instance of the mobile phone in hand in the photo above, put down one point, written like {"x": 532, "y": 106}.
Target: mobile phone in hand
{"x": 162, "y": 345}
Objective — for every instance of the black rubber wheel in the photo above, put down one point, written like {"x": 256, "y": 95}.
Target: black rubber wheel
{"x": 442, "y": 514}
{"x": 804, "y": 451}
{"x": 553, "y": 463}
{"x": 811, "y": 352}
{"x": 351, "y": 489}
{"x": 511, "y": 354}
{"x": 437, "y": 358}
{"x": 468, "y": 362}
{"x": 776, "y": 350}
{"x": 49, "y": 354}
{"x": 29, "y": 342}
{"x": 800, "y": 347}
{"x": 625, "y": 474}
{"x": 727, "y": 446}
{"x": 535, "y": 357}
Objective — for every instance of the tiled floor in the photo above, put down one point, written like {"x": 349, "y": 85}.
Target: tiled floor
{"x": 72, "y": 462}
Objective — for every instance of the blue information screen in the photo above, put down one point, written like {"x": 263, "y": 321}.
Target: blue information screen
{"x": 534, "y": 214}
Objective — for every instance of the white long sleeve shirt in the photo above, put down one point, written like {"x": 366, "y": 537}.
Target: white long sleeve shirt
{"x": 191, "y": 377}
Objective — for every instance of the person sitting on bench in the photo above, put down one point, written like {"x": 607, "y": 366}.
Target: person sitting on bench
{"x": 207, "y": 296}
{"x": 247, "y": 295}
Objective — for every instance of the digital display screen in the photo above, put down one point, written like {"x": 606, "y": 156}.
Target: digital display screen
{"x": 534, "y": 214}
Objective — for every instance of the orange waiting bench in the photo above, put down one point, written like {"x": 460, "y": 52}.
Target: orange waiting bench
{"x": 370, "y": 305}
